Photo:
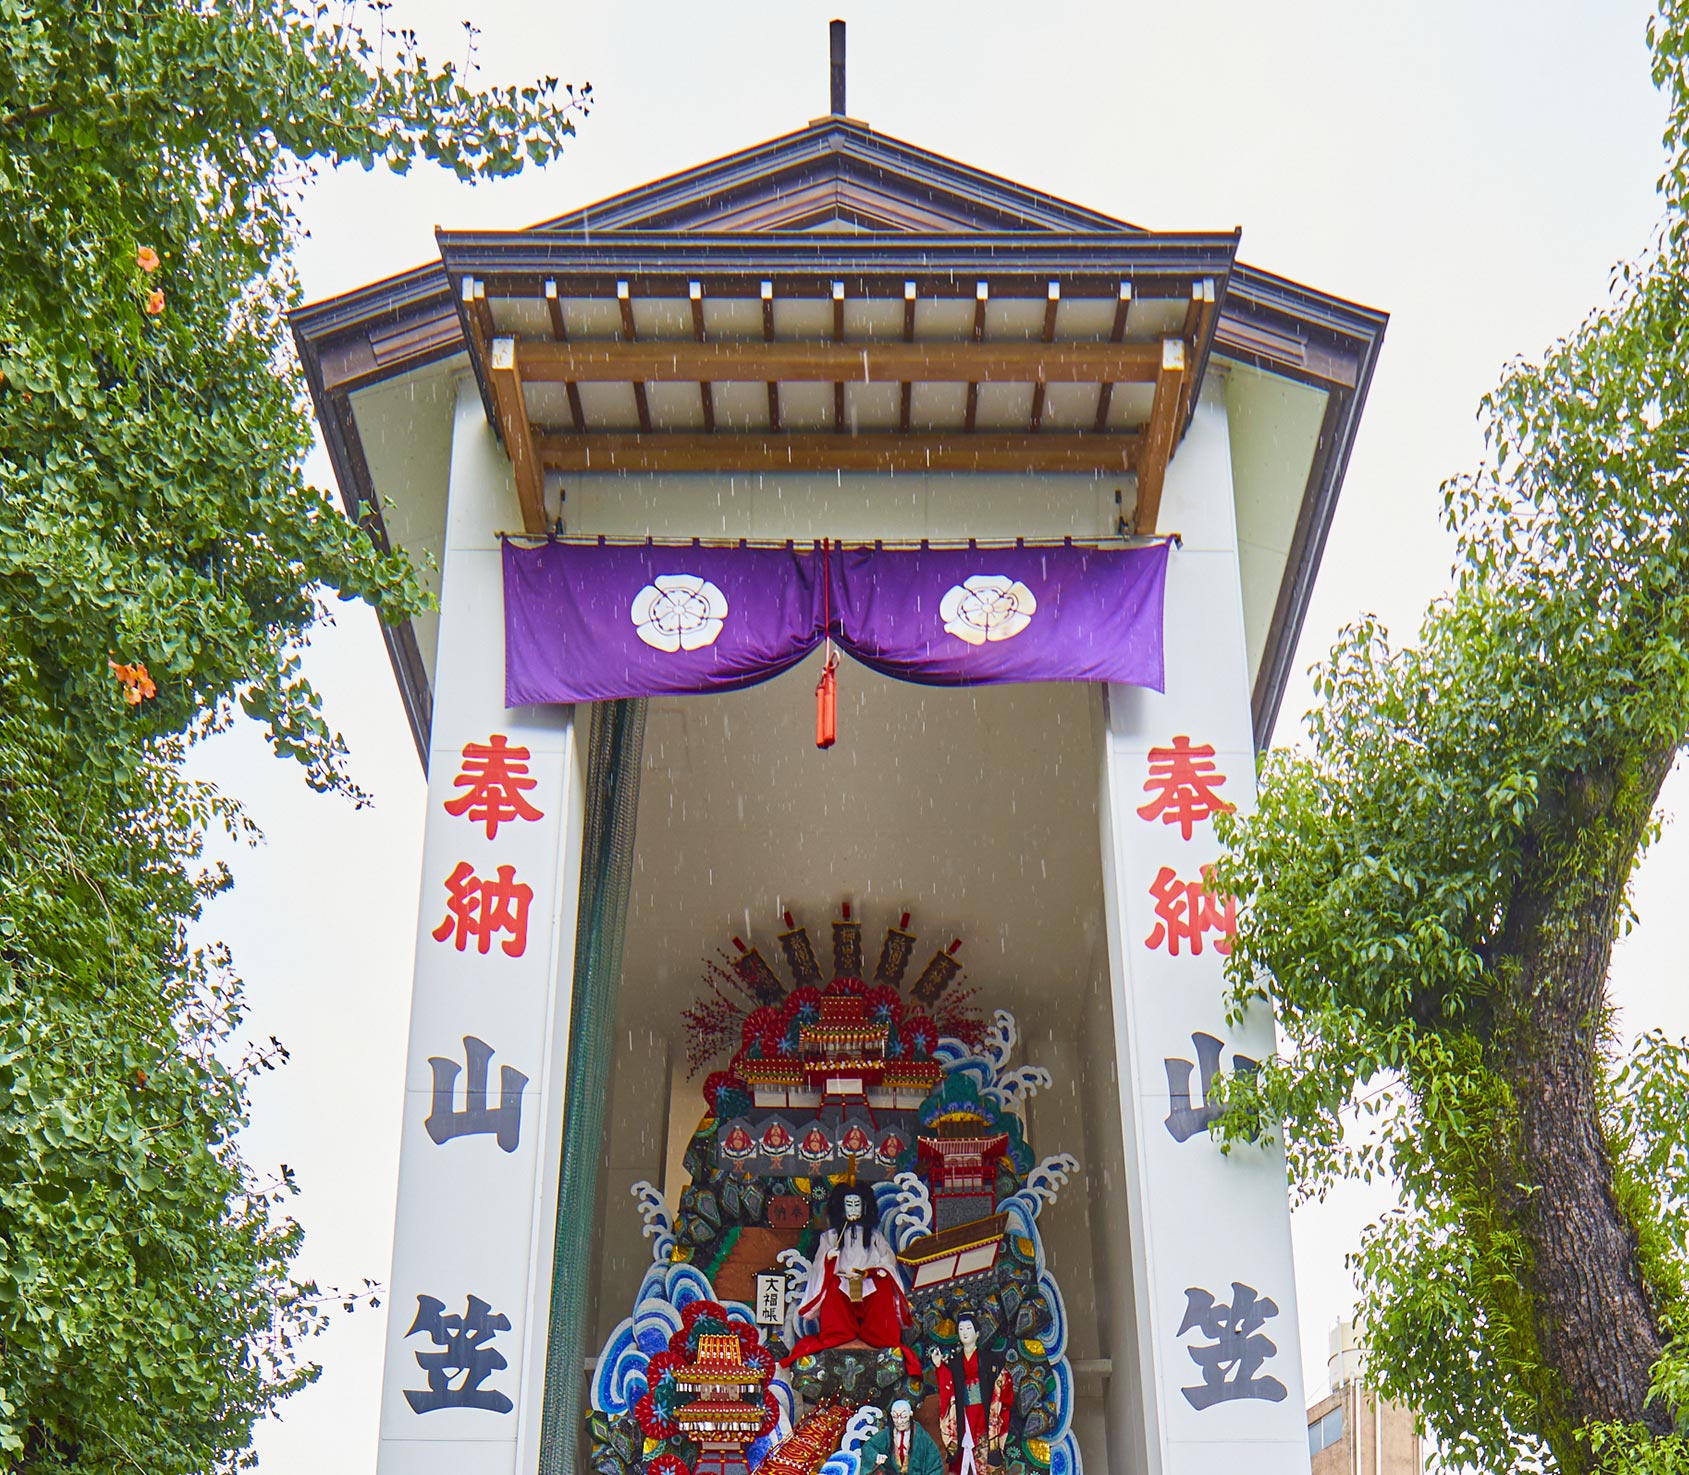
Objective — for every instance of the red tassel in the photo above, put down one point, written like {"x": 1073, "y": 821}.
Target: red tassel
{"x": 826, "y": 709}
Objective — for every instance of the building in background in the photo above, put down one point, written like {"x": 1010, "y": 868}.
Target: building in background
{"x": 1351, "y": 1431}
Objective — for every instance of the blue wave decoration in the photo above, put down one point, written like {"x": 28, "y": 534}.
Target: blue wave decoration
{"x": 1062, "y": 1370}
{"x": 1055, "y": 1335}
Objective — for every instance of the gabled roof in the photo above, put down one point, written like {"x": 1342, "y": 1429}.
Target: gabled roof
{"x": 835, "y": 174}
{"x": 857, "y": 202}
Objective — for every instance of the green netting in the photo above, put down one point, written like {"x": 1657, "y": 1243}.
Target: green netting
{"x": 614, "y": 749}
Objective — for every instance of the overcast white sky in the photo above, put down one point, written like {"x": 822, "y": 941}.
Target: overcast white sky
{"x": 1473, "y": 167}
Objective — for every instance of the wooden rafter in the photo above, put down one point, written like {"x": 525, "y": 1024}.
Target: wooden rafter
{"x": 1199, "y": 317}
{"x": 685, "y": 361}
{"x": 706, "y": 390}
{"x": 480, "y": 311}
{"x": 518, "y": 436}
{"x": 676, "y": 452}
{"x": 907, "y": 394}
{"x": 838, "y": 337}
{"x": 768, "y": 337}
{"x": 1159, "y": 436}
{"x": 1052, "y": 305}
{"x": 1117, "y": 331}
{"x": 982, "y": 295}
{"x": 641, "y": 400}
{"x": 560, "y": 332}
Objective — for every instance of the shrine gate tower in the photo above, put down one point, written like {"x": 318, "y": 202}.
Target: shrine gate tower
{"x": 1036, "y": 498}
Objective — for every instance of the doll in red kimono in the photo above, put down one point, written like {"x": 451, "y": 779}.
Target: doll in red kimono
{"x": 976, "y": 1394}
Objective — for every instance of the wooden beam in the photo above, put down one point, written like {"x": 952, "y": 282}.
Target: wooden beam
{"x": 1117, "y": 331}
{"x": 517, "y": 434}
{"x": 1051, "y": 454}
{"x": 682, "y": 360}
{"x": 1158, "y": 438}
{"x": 1052, "y": 303}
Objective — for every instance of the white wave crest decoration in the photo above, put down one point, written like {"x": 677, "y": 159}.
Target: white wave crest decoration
{"x": 861, "y": 1428}
{"x": 911, "y": 1209}
{"x": 659, "y": 1224}
{"x": 1043, "y": 1183}
{"x": 1014, "y": 1087}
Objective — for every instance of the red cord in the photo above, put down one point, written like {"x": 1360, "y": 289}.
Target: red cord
{"x": 826, "y": 709}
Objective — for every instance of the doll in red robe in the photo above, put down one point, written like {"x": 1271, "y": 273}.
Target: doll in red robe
{"x": 854, "y": 1291}
{"x": 975, "y": 1395}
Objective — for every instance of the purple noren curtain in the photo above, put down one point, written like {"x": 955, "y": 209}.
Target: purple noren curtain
{"x": 594, "y": 622}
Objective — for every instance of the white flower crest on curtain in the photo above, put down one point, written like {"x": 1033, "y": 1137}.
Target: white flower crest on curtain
{"x": 679, "y": 612}
{"x": 987, "y": 607}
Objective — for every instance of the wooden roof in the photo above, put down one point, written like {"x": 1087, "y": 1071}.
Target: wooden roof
{"x": 835, "y": 299}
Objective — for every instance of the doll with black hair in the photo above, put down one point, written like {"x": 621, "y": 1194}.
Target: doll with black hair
{"x": 976, "y": 1394}
{"x": 854, "y": 1292}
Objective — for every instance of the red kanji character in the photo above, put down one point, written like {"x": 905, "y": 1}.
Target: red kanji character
{"x": 484, "y": 908}
{"x": 1186, "y": 780}
{"x": 494, "y": 777}
{"x": 1185, "y": 911}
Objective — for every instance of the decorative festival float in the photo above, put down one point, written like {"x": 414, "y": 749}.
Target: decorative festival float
{"x": 859, "y": 1224}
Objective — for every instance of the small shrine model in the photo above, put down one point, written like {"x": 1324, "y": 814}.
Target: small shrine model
{"x": 726, "y": 1412}
{"x": 958, "y": 1156}
{"x": 841, "y": 1060}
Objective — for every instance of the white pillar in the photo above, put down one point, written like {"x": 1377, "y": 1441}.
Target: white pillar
{"x": 1210, "y": 1233}
{"x": 476, "y": 1220}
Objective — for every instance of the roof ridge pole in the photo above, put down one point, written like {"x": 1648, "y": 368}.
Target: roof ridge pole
{"x": 836, "y": 49}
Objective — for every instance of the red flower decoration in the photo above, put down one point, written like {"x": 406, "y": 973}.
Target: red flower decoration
{"x": 885, "y": 1003}
{"x": 713, "y": 1083}
{"x": 652, "y": 1423}
{"x": 803, "y": 1003}
{"x": 668, "y": 1465}
{"x": 920, "y": 1036}
{"x": 761, "y": 1025}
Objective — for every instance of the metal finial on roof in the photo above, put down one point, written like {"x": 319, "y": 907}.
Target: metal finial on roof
{"x": 836, "y": 43}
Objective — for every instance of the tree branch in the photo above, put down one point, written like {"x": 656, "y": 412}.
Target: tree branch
{"x": 29, "y": 115}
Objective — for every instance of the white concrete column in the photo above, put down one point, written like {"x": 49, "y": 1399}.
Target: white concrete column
{"x": 465, "y": 1359}
{"x": 1216, "y": 1323}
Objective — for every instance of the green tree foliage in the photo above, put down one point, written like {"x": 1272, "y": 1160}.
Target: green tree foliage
{"x": 1433, "y": 885}
{"x": 161, "y": 562}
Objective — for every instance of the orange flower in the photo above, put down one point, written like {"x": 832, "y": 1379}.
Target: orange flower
{"x": 137, "y": 684}
{"x": 155, "y": 302}
{"x": 147, "y": 259}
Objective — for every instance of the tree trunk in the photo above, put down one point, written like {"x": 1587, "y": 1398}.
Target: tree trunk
{"x": 1596, "y": 1325}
